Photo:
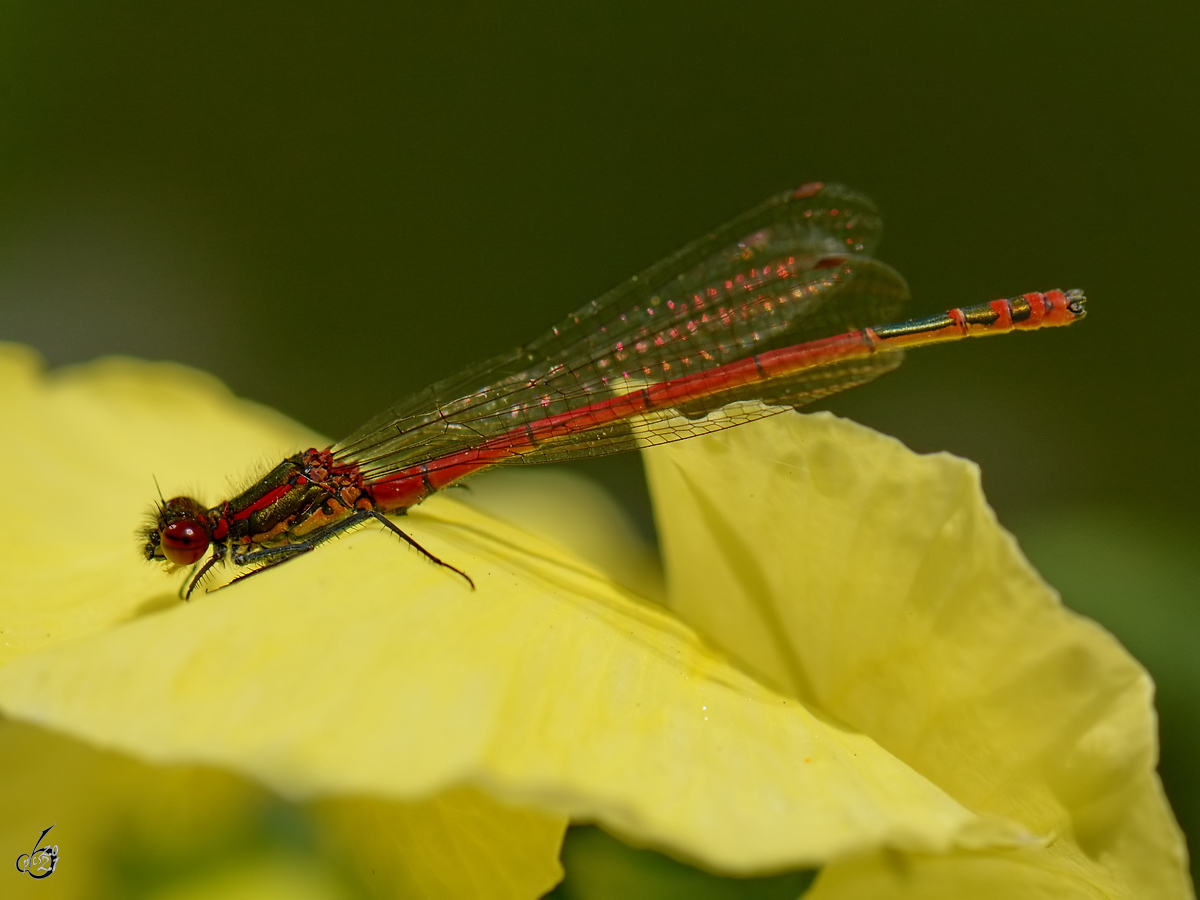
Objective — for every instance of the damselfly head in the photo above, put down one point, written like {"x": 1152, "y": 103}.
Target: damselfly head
{"x": 178, "y": 532}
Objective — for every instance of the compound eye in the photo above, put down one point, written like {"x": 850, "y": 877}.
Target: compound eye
{"x": 184, "y": 542}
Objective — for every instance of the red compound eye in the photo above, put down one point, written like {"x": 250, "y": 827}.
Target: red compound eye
{"x": 184, "y": 542}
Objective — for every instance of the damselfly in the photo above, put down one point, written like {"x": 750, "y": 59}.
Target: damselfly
{"x": 772, "y": 311}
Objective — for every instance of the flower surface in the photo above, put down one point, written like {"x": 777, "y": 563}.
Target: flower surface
{"x": 876, "y": 586}
{"x": 862, "y": 672}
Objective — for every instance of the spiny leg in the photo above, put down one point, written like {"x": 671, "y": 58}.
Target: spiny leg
{"x": 195, "y": 579}
{"x": 286, "y": 552}
{"x": 391, "y": 526}
{"x": 274, "y": 556}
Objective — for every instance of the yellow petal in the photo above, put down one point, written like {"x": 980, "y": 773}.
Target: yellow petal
{"x": 876, "y": 585}
{"x": 575, "y": 513}
{"x": 119, "y": 824}
{"x": 266, "y": 876}
{"x": 199, "y": 832}
{"x": 460, "y": 844}
{"x": 363, "y": 669}
{"x": 1030, "y": 874}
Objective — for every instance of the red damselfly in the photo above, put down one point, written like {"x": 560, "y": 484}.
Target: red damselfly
{"x": 772, "y": 311}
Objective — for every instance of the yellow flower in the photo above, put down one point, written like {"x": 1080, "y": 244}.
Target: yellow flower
{"x": 876, "y": 586}
{"x": 910, "y": 709}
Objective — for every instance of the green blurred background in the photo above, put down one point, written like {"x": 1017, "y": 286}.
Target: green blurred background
{"x": 331, "y": 205}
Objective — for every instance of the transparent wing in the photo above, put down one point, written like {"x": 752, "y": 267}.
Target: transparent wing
{"x": 794, "y": 269}
{"x": 718, "y": 411}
